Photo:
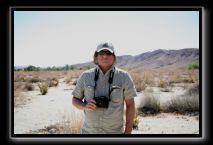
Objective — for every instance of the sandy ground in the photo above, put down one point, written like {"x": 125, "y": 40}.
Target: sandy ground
{"x": 45, "y": 110}
{"x": 167, "y": 123}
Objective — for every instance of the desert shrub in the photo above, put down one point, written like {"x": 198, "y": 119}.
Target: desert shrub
{"x": 20, "y": 99}
{"x": 138, "y": 80}
{"x": 193, "y": 66}
{"x": 151, "y": 104}
{"x": 43, "y": 88}
{"x": 148, "y": 77}
{"x": 165, "y": 85}
{"x": 65, "y": 126}
{"x": 53, "y": 82}
{"x": 188, "y": 102}
{"x": 136, "y": 120}
{"x": 188, "y": 80}
{"x": 166, "y": 89}
{"x": 193, "y": 90}
{"x": 34, "y": 80}
{"x": 29, "y": 87}
{"x": 18, "y": 85}
{"x": 162, "y": 84}
{"x": 68, "y": 80}
{"x": 70, "y": 123}
{"x": 19, "y": 79}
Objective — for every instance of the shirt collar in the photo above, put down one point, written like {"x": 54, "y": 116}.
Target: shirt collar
{"x": 112, "y": 68}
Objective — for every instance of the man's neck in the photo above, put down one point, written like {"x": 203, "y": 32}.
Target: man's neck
{"x": 105, "y": 69}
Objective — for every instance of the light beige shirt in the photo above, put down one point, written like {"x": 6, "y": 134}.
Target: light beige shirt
{"x": 105, "y": 120}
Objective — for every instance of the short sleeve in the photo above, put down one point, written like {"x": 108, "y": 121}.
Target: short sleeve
{"x": 129, "y": 87}
{"x": 78, "y": 92}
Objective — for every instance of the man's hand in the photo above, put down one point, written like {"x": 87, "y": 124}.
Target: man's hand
{"x": 130, "y": 112}
{"x": 90, "y": 106}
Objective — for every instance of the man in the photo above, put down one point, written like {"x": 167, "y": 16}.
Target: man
{"x": 101, "y": 93}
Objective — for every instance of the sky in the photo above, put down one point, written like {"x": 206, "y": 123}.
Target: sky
{"x": 57, "y": 38}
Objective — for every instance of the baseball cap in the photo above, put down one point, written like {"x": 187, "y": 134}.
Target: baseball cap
{"x": 107, "y": 46}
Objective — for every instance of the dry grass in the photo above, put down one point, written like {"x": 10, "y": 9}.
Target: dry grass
{"x": 142, "y": 79}
{"x": 40, "y": 76}
{"x": 151, "y": 104}
{"x": 29, "y": 87}
{"x": 186, "y": 103}
{"x": 163, "y": 78}
{"x": 136, "y": 119}
{"x": 43, "y": 88}
{"x": 69, "y": 124}
{"x": 20, "y": 99}
{"x": 28, "y": 80}
{"x": 52, "y": 82}
{"x": 72, "y": 76}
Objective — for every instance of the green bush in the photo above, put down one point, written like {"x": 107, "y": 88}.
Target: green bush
{"x": 31, "y": 68}
{"x": 162, "y": 84}
{"x": 193, "y": 66}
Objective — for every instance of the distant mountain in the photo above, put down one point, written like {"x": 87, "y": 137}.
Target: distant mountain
{"x": 160, "y": 58}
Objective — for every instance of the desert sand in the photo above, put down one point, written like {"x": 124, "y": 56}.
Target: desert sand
{"x": 45, "y": 110}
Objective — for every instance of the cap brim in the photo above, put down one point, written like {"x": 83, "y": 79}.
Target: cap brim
{"x": 105, "y": 48}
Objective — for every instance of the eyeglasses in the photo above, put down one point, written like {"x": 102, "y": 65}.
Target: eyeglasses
{"x": 108, "y": 53}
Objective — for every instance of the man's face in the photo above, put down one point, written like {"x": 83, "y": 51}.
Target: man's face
{"x": 105, "y": 58}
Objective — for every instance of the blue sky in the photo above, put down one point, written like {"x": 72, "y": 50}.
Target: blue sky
{"x": 47, "y": 38}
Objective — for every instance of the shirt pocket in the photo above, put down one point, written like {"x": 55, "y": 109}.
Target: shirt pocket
{"x": 89, "y": 92}
{"x": 117, "y": 94}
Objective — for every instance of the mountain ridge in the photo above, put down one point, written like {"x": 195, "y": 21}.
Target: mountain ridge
{"x": 160, "y": 58}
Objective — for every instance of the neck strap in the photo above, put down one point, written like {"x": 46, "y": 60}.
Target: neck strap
{"x": 111, "y": 76}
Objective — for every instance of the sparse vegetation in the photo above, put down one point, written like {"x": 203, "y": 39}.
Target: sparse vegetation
{"x": 136, "y": 120}
{"x": 193, "y": 66}
{"x": 162, "y": 84}
{"x": 68, "y": 80}
{"x": 151, "y": 105}
{"x": 34, "y": 80}
{"x": 31, "y": 68}
{"x": 29, "y": 87}
{"x": 188, "y": 102}
{"x": 147, "y": 81}
{"x": 68, "y": 125}
{"x": 20, "y": 99}
{"x": 43, "y": 88}
{"x": 139, "y": 82}
{"x": 53, "y": 82}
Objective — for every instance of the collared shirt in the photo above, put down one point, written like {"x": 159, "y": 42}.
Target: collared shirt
{"x": 105, "y": 120}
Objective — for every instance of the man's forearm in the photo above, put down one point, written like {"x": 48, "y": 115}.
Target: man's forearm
{"x": 130, "y": 112}
{"x": 78, "y": 103}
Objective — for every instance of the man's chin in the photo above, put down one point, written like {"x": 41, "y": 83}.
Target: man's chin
{"x": 105, "y": 65}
